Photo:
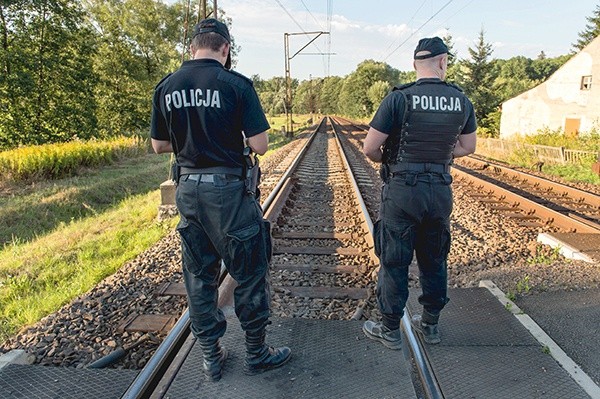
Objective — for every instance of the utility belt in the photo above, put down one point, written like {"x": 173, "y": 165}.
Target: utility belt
{"x": 423, "y": 167}
{"x": 388, "y": 170}
{"x": 250, "y": 173}
{"x": 214, "y": 170}
{"x": 205, "y": 175}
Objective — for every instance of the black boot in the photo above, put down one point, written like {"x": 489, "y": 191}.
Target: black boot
{"x": 260, "y": 357}
{"x": 427, "y": 324}
{"x": 214, "y": 357}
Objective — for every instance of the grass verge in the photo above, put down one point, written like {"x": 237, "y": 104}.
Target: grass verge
{"x": 30, "y": 211}
{"x": 38, "y": 277}
{"x": 61, "y": 237}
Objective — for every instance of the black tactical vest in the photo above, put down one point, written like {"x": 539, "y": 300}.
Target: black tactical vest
{"x": 434, "y": 116}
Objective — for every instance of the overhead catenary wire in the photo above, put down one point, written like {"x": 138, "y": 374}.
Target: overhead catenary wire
{"x": 408, "y": 24}
{"x": 329, "y": 18}
{"x": 418, "y": 29}
{"x": 441, "y": 24}
{"x": 300, "y": 26}
{"x": 311, "y": 14}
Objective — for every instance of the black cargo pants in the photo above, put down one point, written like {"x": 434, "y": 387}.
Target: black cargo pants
{"x": 219, "y": 220}
{"x": 414, "y": 218}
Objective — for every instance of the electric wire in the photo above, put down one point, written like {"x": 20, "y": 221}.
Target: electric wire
{"x": 296, "y": 22}
{"x": 311, "y": 14}
{"x": 418, "y": 29}
{"x": 408, "y": 24}
{"x": 441, "y": 24}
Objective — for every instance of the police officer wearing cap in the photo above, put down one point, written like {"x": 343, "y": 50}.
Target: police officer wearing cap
{"x": 207, "y": 115}
{"x": 416, "y": 132}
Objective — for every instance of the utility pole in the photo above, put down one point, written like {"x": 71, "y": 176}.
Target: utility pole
{"x": 288, "y": 75}
{"x": 203, "y": 10}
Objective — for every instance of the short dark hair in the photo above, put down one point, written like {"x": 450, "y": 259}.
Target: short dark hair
{"x": 210, "y": 40}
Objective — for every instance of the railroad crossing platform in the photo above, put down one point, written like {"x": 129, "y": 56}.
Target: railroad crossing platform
{"x": 486, "y": 352}
{"x": 40, "y": 382}
{"x": 330, "y": 359}
{"x": 577, "y": 246}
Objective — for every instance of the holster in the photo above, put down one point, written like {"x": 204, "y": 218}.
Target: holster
{"x": 384, "y": 172}
{"x": 175, "y": 172}
{"x": 252, "y": 171}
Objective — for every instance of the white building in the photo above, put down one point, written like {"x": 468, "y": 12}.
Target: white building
{"x": 569, "y": 100}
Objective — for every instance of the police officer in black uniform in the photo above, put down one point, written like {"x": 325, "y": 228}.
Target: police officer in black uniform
{"x": 207, "y": 115}
{"x": 422, "y": 126}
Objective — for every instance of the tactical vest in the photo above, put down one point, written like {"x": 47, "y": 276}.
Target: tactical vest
{"x": 434, "y": 116}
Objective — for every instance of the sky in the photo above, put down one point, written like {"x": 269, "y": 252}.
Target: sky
{"x": 388, "y": 31}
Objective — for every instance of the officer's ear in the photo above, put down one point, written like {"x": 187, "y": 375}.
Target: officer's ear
{"x": 225, "y": 49}
{"x": 444, "y": 62}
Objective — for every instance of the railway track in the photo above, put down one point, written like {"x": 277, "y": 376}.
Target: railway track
{"x": 532, "y": 201}
{"x": 323, "y": 259}
{"x": 542, "y": 201}
{"x": 332, "y": 282}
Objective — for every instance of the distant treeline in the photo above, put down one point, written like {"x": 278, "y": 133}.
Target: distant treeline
{"x": 86, "y": 69}
{"x": 488, "y": 82}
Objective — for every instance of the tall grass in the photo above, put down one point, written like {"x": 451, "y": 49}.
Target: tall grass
{"x": 52, "y": 161}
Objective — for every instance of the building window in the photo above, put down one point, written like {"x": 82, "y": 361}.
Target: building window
{"x": 586, "y": 82}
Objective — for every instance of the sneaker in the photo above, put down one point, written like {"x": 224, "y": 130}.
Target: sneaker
{"x": 430, "y": 332}
{"x": 377, "y": 331}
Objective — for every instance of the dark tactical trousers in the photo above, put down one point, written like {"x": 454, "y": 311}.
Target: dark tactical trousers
{"x": 414, "y": 218}
{"x": 221, "y": 221}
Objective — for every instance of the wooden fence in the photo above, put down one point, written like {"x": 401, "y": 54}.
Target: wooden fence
{"x": 496, "y": 148}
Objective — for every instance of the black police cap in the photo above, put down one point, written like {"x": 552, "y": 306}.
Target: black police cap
{"x": 213, "y": 25}
{"x": 434, "y": 45}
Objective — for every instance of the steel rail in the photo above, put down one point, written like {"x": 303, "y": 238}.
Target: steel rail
{"x": 555, "y": 187}
{"x": 419, "y": 355}
{"x": 533, "y": 209}
{"x": 149, "y": 377}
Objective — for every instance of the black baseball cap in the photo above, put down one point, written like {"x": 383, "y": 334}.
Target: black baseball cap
{"x": 213, "y": 25}
{"x": 434, "y": 45}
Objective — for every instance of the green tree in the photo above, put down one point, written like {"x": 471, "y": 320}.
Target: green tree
{"x": 377, "y": 92}
{"x": 330, "y": 94}
{"x": 136, "y": 49}
{"x": 46, "y": 87}
{"x": 354, "y": 100}
{"x": 272, "y": 95}
{"x": 452, "y": 71}
{"x": 592, "y": 31}
{"x": 542, "y": 68}
{"x": 406, "y": 77}
{"x": 307, "y": 96}
{"x": 477, "y": 77}
{"x": 513, "y": 77}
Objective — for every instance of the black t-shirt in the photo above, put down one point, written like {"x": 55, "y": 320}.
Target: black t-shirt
{"x": 203, "y": 109}
{"x": 390, "y": 114}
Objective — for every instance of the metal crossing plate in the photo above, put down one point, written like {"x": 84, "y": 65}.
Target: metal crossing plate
{"x": 319, "y": 251}
{"x": 41, "y": 382}
{"x": 326, "y": 292}
{"x": 487, "y": 353}
{"x": 311, "y": 268}
{"x": 330, "y": 359}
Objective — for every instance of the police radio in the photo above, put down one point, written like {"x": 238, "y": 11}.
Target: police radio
{"x": 252, "y": 172}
